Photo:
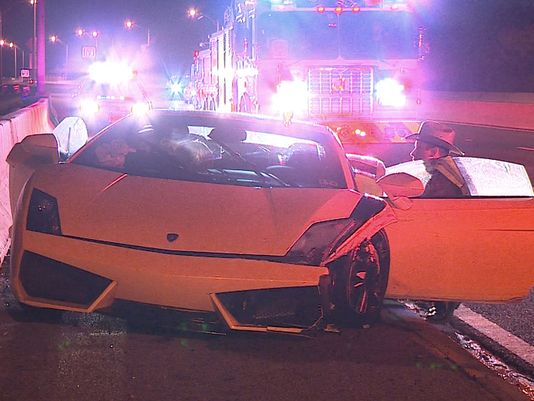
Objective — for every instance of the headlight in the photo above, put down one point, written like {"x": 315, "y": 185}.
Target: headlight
{"x": 321, "y": 239}
{"x": 291, "y": 97}
{"x": 318, "y": 240}
{"x": 89, "y": 107}
{"x": 43, "y": 214}
{"x": 110, "y": 72}
{"x": 140, "y": 108}
{"x": 389, "y": 92}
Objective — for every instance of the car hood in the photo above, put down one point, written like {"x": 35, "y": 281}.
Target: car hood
{"x": 187, "y": 216}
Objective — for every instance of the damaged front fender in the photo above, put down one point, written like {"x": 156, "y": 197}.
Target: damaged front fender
{"x": 372, "y": 214}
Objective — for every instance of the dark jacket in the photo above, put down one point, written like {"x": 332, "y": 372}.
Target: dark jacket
{"x": 445, "y": 179}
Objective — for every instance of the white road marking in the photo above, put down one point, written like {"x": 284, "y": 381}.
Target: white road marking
{"x": 525, "y": 148}
{"x": 514, "y": 344}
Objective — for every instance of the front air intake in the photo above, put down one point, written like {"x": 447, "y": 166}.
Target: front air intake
{"x": 52, "y": 280}
{"x": 280, "y": 307}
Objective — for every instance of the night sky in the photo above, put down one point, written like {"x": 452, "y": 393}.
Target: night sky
{"x": 475, "y": 45}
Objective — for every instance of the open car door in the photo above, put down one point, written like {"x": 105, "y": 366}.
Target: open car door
{"x": 475, "y": 248}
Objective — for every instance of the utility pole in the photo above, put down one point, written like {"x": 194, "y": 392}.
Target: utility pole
{"x": 1, "y": 36}
{"x": 41, "y": 44}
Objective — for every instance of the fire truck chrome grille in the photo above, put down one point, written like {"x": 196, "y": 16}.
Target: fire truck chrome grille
{"x": 340, "y": 91}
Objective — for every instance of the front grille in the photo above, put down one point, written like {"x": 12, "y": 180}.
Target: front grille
{"x": 281, "y": 307}
{"x": 50, "y": 279}
{"x": 340, "y": 92}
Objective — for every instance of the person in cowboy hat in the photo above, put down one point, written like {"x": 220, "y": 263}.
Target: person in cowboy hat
{"x": 434, "y": 140}
{"x": 434, "y": 144}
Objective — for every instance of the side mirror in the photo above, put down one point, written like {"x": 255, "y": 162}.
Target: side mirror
{"x": 401, "y": 185}
{"x": 25, "y": 157}
{"x": 34, "y": 149}
{"x": 369, "y": 165}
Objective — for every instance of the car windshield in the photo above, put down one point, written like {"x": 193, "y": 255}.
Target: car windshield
{"x": 219, "y": 151}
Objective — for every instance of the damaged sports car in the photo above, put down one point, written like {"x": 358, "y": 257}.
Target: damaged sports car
{"x": 248, "y": 218}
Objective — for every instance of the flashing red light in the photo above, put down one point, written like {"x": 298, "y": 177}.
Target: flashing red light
{"x": 355, "y": 9}
{"x": 195, "y": 53}
{"x": 321, "y": 9}
{"x": 338, "y": 10}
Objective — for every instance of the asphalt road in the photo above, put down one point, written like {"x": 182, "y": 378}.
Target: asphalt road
{"x": 70, "y": 356}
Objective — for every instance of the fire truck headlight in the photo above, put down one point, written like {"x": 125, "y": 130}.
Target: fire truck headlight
{"x": 89, "y": 107}
{"x": 291, "y": 97}
{"x": 140, "y": 108}
{"x": 390, "y": 92}
{"x": 111, "y": 73}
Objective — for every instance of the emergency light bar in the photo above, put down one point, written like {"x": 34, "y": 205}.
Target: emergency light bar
{"x": 367, "y": 5}
{"x": 355, "y": 9}
{"x": 340, "y": 10}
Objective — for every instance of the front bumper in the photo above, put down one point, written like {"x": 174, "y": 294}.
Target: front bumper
{"x": 247, "y": 295}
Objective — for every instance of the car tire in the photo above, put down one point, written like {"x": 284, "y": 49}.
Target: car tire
{"x": 360, "y": 284}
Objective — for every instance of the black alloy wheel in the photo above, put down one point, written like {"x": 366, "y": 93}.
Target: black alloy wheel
{"x": 361, "y": 283}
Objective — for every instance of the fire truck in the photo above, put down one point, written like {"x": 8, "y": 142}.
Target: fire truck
{"x": 352, "y": 65}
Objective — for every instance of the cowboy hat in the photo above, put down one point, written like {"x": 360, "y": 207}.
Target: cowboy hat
{"x": 437, "y": 134}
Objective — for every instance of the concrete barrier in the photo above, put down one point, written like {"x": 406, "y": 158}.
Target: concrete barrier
{"x": 14, "y": 127}
{"x": 511, "y": 110}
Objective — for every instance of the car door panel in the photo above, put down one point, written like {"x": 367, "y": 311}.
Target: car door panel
{"x": 477, "y": 249}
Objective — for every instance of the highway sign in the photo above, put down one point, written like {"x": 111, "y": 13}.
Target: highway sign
{"x": 88, "y": 52}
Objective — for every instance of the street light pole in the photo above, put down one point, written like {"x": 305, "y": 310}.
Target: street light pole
{"x": 7, "y": 7}
{"x": 56, "y": 39}
{"x": 196, "y": 14}
{"x": 215, "y": 23}
{"x": 129, "y": 24}
{"x": 1, "y": 63}
{"x": 33, "y": 60}
{"x": 41, "y": 72}
{"x": 14, "y": 46}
